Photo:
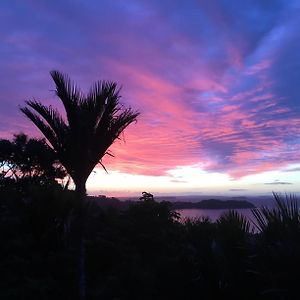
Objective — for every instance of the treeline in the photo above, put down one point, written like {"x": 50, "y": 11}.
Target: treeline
{"x": 144, "y": 251}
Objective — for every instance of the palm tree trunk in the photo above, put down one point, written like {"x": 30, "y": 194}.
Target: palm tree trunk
{"x": 80, "y": 188}
{"x": 81, "y": 192}
{"x": 82, "y": 279}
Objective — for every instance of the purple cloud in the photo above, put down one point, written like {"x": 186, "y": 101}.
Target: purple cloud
{"x": 216, "y": 81}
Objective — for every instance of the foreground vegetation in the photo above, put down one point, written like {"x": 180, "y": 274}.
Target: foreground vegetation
{"x": 143, "y": 252}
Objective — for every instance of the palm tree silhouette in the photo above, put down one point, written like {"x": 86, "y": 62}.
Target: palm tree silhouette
{"x": 94, "y": 122}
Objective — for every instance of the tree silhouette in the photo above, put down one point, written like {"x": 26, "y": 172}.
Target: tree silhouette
{"x": 94, "y": 122}
{"x": 31, "y": 159}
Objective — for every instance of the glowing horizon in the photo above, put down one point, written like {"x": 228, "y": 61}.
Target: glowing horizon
{"x": 192, "y": 181}
{"x": 216, "y": 85}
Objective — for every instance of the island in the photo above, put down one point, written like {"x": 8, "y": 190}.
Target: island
{"x": 213, "y": 204}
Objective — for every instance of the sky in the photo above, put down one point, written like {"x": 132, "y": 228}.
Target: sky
{"x": 216, "y": 83}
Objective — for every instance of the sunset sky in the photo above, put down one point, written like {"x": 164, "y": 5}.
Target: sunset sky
{"x": 217, "y": 83}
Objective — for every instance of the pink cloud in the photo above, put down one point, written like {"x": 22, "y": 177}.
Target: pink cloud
{"x": 202, "y": 101}
{"x": 262, "y": 65}
{"x": 171, "y": 133}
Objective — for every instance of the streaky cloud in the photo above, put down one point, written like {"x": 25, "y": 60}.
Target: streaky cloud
{"x": 278, "y": 182}
{"x": 215, "y": 87}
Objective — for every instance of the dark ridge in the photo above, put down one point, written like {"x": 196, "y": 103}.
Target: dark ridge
{"x": 104, "y": 201}
{"x": 213, "y": 204}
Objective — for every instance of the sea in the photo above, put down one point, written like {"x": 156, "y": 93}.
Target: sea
{"x": 214, "y": 214}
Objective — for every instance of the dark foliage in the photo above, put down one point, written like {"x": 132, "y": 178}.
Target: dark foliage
{"x": 278, "y": 247}
{"x": 141, "y": 252}
{"x": 28, "y": 161}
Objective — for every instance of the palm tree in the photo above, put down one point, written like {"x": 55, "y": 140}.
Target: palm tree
{"x": 281, "y": 222}
{"x": 94, "y": 122}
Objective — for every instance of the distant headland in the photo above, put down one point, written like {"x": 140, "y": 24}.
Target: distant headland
{"x": 213, "y": 204}
{"x": 104, "y": 201}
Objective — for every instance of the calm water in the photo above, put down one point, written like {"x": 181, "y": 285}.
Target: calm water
{"x": 213, "y": 214}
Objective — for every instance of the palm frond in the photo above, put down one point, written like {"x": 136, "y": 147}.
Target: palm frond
{"x": 261, "y": 222}
{"x": 100, "y": 91}
{"x": 102, "y": 165}
{"x": 69, "y": 94}
{"x": 110, "y": 128}
{"x": 99, "y": 99}
{"x": 109, "y": 154}
{"x": 123, "y": 120}
{"x": 234, "y": 220}
{"x": 44, "y": 128}
{"x": 52, "y": 117}
{"x": 284, "y": 217}
{"x": 288, "y": 206}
